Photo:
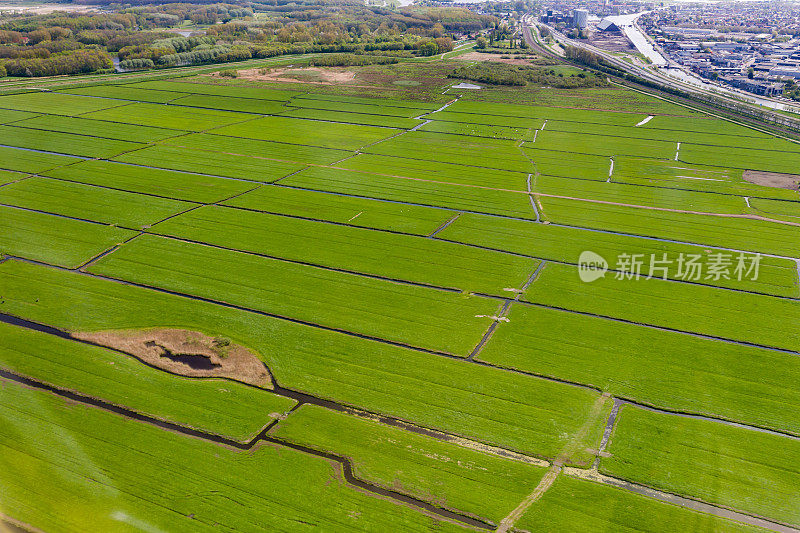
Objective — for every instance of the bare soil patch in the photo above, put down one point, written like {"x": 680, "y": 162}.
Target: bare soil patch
{"x": 187, "y": 353}
{"x": 772, "y": 179}
{"x": 478, "y": 56}
{"x": 315, "y": 75}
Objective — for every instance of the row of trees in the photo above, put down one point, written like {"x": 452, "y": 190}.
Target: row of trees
{"x": 82, "y": 61}
{"x": 68, "y": 43}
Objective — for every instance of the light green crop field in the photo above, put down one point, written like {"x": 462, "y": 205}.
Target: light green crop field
{"x": 99, "y": 128}
{"x": 652, "y": 366}
{"x": 683, "y": 306}
{"x": 433, "y": 278}
{"x": 149, "y": 478}
{"x": 455, "y": 477}
{"x": 308, "y": 132}
{"x": 181, "y": 86}
{"x": 511, "y": 410}
{"x": 31, "y": 161}
{"x": 228, "y": 103}
{"x": 450, "y": 196}
{"x": 64, "y": 143}
{"x": 152, "y": 181}
{"x": 355, "y": 249}
{"x": 108, "y": 206}
{"x": 366, "y": 119}
{"x": 597, "y": 144}
{"x": 442, "y": 148}
{"x": 582, "y": 506}
{"x": 741, "y": 468}
{"x": 379, "y": 107}
{"x": 392, "y": 311}
{"x": 8, "y": 176}
{"x": 222, "y": 407}
{"x": 564, "y": 244}
{"x": 226, "y": 165}
{"x": 8, "y": 115}
{"x": 57, "y": 240}
{"x": 56, "y": 103}
{"x": 349, "y": 210}
{"x": 254, "y": 148}
{"x": 161, "y": 116}
{"x": 125, "y": 92}
{"x": 437, "y": 171}
{"x": 748, "y": 235}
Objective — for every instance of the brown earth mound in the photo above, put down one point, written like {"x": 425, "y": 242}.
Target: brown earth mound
{"x": 772, "y": 179}
{"x": 186, "y": 352}
{"x": 314, "y": 75}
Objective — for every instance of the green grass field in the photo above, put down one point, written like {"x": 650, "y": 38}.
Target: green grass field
{"x": 404, "y": 260}
{"x": 741, "y": 468}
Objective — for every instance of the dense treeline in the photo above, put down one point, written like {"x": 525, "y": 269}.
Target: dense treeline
{"x": 504, "y": 74}
{"x": 81, "y": 61}
{"x": 72, "y": 43}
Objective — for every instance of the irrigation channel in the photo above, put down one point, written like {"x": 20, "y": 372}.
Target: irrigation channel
{"x": 346, "y": 465}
